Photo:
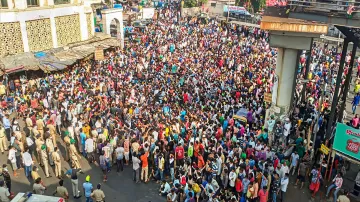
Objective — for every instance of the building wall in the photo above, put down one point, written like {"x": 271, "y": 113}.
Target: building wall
{"x": 41, "y": 28}
{"x": 10, "y": 38}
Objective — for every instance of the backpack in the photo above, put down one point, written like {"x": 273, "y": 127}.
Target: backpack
{"x": 196, "y": 188}
{"x": 183, "y": 180}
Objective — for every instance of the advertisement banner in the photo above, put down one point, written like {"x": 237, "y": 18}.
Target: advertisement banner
{"x": 235, "y": 9}
{"x": 347, "y": 140}
{"x": 270, "y": 3}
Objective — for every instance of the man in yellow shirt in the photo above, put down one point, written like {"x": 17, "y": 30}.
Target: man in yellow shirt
{"x": 86, "y": 129}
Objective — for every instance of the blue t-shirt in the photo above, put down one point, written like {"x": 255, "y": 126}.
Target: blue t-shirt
{"x": 82, "y": 138}
{"x": 87, "y": 187}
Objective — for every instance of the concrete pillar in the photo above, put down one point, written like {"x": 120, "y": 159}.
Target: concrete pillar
{"x": 11, "y": 4}
{"x": 24, "y": 36}
{"x": 53, "y": 32}
{"x": 83, "y": 24}
{"x": 285, "y": 70}
{"x": 20, "y": 4}
{"x": 50, "y": 2}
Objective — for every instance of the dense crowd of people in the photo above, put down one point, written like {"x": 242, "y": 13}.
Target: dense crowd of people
{"x": 167, "y": 105}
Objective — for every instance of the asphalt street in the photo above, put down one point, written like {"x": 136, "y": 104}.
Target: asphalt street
{"x": 119, "y": 187}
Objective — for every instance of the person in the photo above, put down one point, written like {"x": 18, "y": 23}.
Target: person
{"x": 12, "y": 158}
{"x": 294, "y": 161}
{"x": 3, "y": 139}
{"x": 98, "y": 194}
{"x": 5, "y": 195}
{"x": 344, "y": 197}
{"x": 336, "y": 184}
{"x": 136, "y": 167}
{"x": 57, "y": 161}
{"x": 38, "y": 187}
{"x": 61, "y": 191}
{"x": 89, "y": 149}
{"x": 7, "y": 177}
{"x": 275, "y": 187}
{"x": 120, "y": 157}
{"x": 284, "y": 184}
{"x": 171, "y": 197}
{"x": 88, "y": 189}
{"x": 263, "y": 194}
{"x": 355, "y": 102}
{"x": 144, "y": 167}
{"x": 164, "y": 188}
{"x": 28, "y": 162}
{"x": 301, "y": 174}
{"x": 103, "y": 165}
{"x": 44, "y": 158}
{"x": 357, "y": 185}
{"x": 72, "y": 173}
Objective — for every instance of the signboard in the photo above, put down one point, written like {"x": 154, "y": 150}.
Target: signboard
{"x": 324, "y": 149}
{"x": 99, "y": 54}
{"x": 347, "y": 140}
{"x": 267, "y": 97}
{"x": 235, "y": 9}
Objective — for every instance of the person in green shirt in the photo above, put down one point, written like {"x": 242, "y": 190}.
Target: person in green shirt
{"x": 300, "y": 150}
{"x": 190, "y": 151}
{"x": 263, "y": 136}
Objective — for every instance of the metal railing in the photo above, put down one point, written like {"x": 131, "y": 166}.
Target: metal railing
{"x": 332, "y": 7}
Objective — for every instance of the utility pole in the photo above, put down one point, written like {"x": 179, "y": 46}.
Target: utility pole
{"x": 338, "y": 81}
{"x": 347, "y": 82}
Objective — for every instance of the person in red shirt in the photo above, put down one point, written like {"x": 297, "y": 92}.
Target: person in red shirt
{"x": 263, "y": 194}
{"x": 179, "y": 150}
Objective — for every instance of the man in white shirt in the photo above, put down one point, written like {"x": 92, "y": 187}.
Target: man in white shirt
{"x": 89, "y": 149}
{"x": 284, "y": 170}
{"x": 232, "y": 177}
{"x": 136, "y": 167}
{"x": 287, "y": 127}
{"x": 283, "y": 186}
{"x": 28, "y": 162}
{"x": 120, "y": 153}
{"x": 4, "y": 192}
{"x": 294, "y": 161}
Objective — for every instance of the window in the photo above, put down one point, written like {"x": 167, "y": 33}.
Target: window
{"x": 31, "y": 3}
{"x": 57, "y": 2}
{"x": 3, "y": 4}
{"x": 213, "y": 4}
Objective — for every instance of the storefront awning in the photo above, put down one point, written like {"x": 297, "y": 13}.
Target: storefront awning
{"x": 54, "y": 59}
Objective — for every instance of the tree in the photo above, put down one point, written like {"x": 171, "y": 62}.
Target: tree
{"x": 202, "y": 2}
{"x": 190, "y": 3}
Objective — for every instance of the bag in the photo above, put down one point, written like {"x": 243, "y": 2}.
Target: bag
{"x": 183, "y": 180}
{"x": 196, "y": 188}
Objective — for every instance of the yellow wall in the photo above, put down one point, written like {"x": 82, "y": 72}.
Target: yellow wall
{"x": 10, "y": 38}
{"x": 39, "y": 34}
{"x": 67, "y": 29}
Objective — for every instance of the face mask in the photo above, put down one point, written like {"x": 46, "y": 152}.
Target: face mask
{"x": 5, "y": 169}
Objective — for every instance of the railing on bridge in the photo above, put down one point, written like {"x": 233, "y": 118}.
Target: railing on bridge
{"x": 328, "y": 7}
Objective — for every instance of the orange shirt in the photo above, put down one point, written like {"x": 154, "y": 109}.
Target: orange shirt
{"x": 201, "y": 162}
{"x": 144, "y": 160}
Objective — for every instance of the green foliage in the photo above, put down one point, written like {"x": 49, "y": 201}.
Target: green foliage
{"x": 201, "y": 2}
{"x": 190, "y": 3}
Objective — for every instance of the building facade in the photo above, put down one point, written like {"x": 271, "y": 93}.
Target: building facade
{"x": 37, "y": 25}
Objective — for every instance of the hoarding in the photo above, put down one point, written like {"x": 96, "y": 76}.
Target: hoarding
{"x": 347, "y": 140}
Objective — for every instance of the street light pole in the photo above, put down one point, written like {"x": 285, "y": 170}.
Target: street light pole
{"x": 338, "y": 81}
